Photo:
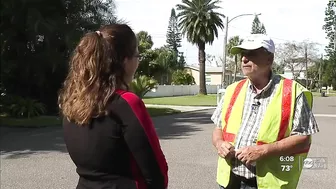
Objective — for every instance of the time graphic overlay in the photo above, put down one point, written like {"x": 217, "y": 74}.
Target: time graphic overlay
{"x": 286, "y": 163}
{"x": 289, "y": 162}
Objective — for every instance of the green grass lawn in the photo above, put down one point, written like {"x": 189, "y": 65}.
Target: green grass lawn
{"x": 40, "y": 121}
{"x": 332, "y": 93}
{"x": 197, "y": 100}
{"x": 47, "y": 121}
{"x": 161, "y": 111}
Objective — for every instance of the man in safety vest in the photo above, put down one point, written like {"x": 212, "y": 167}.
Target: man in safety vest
{"x": 264, "y": 124}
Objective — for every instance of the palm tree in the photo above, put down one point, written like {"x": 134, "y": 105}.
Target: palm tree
{"x": 234, "y": 41}
{"x": 145, "y": 41}
{"x": 198, "y": 21}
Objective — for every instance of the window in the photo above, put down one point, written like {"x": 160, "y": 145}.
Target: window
{"x": 207, "y": 79}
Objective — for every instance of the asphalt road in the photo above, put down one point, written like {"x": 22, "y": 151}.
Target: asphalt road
{"x": 37, "y": 158}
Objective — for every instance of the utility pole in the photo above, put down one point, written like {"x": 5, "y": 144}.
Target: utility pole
{"x": 226, "y": 25}
{"x": 224, "y": 50}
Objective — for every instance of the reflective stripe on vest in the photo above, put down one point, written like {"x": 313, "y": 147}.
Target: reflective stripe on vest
{"x": 285, "y": 113}
{"x": 276, "y": 125}
{"x": 230, "y": 136}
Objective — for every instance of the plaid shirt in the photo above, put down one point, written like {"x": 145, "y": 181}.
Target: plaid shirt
{"x": 304, "y": 122}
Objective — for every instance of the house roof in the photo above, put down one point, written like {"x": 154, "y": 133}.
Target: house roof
{"x": 208, "y": 69}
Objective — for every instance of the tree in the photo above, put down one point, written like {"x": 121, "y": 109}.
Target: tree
{"x": 329, "y": 73}
{"x": 158, "y": 62}
{"x": 166, "y": 62}
{"x": 330, "y": 26}
{"x": 199, "y": 22}
{"x": 145, "y": 41}
{"x": 278, "y": 68}
{"x": 310, "y": 54}
{"x": 173, "y": 33}
{"x": 209, "y": 59}
{"x": 174, "y": 40}
{"x": 182, "y": 77}
{"x": 296, "y": 57}
{"x": 37, "y": 38}
{"x": 263, "y": 29}
{"x": 234, "y": 41}
{"x": 257, "y": 26}
{"x": 181, "y": 61}
{"x": 289, "y": 55}
{"x": 314, "y": 72}
{"x": 147, "y": 64}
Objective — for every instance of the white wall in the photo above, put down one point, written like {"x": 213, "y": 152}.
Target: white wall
{"x": 179, "y": 90}
{"x": 289, "y": 75}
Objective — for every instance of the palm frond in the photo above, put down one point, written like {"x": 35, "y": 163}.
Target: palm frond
{"x": 198, "y": 20}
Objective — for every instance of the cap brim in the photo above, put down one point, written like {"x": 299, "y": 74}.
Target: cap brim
{"x": 238, "y": 49}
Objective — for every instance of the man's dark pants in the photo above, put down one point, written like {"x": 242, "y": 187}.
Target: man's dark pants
{"x": 237, "y": 182}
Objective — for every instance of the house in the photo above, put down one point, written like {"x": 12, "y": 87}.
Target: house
{"x": 298, "y": 72}
{"x": 213, "y": 75}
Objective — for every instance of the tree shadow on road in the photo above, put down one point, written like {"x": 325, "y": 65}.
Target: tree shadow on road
{"x": 23, "y": 142}
{"x": 182, "y": 125}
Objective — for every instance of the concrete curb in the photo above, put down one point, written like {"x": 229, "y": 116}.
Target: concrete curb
{"x": 182, "y": 108}
{"x": 325, "y": 115}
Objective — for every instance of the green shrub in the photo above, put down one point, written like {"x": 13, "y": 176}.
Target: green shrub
{"x": 25, "y": 107}
{"x": 182, "y": 77}
{"x": 142, "y": 85}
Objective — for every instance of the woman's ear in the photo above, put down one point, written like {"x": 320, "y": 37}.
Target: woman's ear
{"x": 126, "y": 62}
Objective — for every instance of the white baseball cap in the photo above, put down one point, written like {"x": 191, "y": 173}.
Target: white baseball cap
{"x": 255, "y": 41}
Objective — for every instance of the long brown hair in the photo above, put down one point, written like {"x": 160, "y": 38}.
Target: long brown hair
{"x": 96, "y": 70}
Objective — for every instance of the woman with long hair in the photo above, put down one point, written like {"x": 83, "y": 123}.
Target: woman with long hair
{"x": 108, "y": 132}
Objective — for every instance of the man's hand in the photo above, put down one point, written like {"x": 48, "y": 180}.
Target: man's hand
{"x": 225, "y": 149}
{"x": 250, "y": 154}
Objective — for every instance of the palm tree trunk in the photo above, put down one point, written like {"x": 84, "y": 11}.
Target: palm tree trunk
{"x": 235, "y": 69}
{"x": 201, "y": 60}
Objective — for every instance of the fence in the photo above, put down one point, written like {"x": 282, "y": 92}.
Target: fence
{"x": 179, "y": 90}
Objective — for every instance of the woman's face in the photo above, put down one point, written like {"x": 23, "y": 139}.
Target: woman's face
{"x": 131, "y": 65}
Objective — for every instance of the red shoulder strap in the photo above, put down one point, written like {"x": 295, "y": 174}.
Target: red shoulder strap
{"x": 286, "y": 107}
{"x": 230, "y": 136}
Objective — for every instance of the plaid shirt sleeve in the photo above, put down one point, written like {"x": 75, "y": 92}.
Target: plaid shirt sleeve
{"x": 217, "y": 115}
{"x": 304, "y": 122}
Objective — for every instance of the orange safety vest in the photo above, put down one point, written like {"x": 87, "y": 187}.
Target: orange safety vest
{"x": 271, "y": 172}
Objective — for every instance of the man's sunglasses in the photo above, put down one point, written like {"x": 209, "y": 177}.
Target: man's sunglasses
{"x": 251, "y": 53}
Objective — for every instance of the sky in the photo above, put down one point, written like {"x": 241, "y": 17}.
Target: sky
{"x": 285, "y": 21}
